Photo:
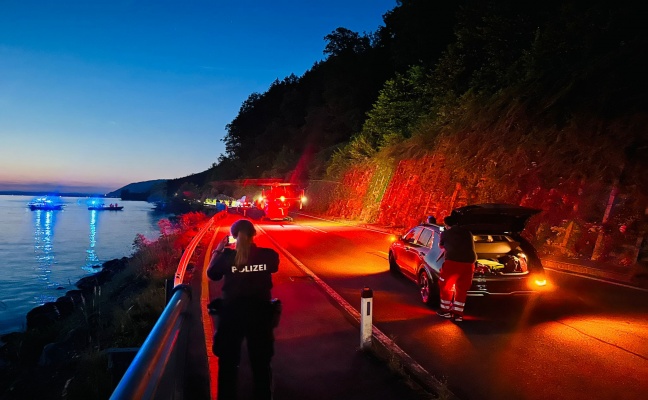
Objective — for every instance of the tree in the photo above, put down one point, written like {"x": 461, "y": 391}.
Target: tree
{"x": 416, "y": 32}
{"x": 344, "y": 41}
{"x": 402, "y": 104}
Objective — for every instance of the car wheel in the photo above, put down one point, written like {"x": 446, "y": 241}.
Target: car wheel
{"x": 428, "y": 289}
{"x": 393, "y": 267}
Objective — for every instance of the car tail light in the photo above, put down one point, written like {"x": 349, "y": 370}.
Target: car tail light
{"x": 538, "y": 280}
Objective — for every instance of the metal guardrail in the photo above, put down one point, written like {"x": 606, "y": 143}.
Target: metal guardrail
{"x": 188, "y": 253}
{"x": 153, "y": 373}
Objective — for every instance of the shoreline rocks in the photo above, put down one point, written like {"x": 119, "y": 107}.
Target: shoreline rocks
{"x": 41, "y": 317}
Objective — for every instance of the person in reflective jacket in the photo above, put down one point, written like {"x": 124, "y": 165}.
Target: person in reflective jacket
{"x": 457, "y": 270}
{"x": 245, "y": 311}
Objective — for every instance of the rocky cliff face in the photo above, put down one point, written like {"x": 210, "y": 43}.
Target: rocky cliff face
{"x": 581, "y": 219}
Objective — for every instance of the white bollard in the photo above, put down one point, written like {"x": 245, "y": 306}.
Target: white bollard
{"x": 366, "y": 305}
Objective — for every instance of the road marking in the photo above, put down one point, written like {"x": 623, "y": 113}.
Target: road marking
{"x": 312, "y": 228}
{"x": 345, "y": 223}
{"x": 379, "y": 254}
{"x": 597, "y": 279}
{"x": 383, "y": 339}
{"x": 601, "y": 340}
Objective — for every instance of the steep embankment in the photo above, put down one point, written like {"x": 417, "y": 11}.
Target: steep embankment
{"x": 592, "y": 194}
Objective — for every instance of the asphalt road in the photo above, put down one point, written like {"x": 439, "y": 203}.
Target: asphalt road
{"x": 316, "y": 346}
{"x": 586, "y": 339}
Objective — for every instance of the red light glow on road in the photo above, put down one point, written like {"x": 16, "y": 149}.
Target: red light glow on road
{"x": 404, "y": 312}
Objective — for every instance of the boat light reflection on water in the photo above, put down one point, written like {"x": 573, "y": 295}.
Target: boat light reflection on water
{"x": 91, "y": 255}
{"x": 44, "y": 222}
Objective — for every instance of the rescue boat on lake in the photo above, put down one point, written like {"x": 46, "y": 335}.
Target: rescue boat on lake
{"x": 101, "y": 207}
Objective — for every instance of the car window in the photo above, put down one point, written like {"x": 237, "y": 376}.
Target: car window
{"x": 434, "y": 240}
{"x": 411, "y": 236}
{"x": 424, "y": 237}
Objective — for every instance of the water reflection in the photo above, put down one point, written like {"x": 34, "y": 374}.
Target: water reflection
{"x": 44, "y": 222}
{"x": 91, "y": 256}
{"x": 155, "y": 216}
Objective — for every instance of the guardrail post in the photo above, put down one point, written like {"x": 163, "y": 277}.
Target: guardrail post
{"x": 153, "y": 373}
{"x": 119, "y": 359}
{"x": 168, "y": 289}
{"x": 366, "y": 305}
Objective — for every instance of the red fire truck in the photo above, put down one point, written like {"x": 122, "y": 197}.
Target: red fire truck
{"x": 279, "y": 198}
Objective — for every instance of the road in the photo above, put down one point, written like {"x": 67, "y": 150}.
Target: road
{"x": 586, "y": 339}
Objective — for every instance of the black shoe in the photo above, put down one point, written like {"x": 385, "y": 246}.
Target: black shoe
{"x": 443, "y": 314}
{"x": 458, "y": 318}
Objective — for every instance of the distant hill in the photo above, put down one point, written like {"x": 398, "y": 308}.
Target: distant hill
{"x": 137, "y": 190}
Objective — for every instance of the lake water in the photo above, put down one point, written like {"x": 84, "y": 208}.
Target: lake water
{"x": 44, "y": 253}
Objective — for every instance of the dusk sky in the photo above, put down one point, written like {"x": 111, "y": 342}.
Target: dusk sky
{"x": 105, "y": 93}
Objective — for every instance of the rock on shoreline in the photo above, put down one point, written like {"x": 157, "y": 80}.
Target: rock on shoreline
{"x": 43, "y": 316}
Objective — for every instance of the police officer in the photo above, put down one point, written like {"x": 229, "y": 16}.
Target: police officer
{"x": 457, "y": 270}
{"x": 246, "y": 311}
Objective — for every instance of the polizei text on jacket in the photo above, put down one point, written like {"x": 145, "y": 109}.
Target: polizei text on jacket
{"x": 249, "y": 268}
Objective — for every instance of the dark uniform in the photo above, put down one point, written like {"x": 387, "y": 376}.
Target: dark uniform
{"x": 246, "y": 313}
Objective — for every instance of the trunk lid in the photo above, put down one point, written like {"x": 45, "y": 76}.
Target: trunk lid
{"x": 493, "y": 217}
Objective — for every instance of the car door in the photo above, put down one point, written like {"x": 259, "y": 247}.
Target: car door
{"x": 403, "y": 253}
{"x": 419, "y": 249}
{"x": 435, "y": 255}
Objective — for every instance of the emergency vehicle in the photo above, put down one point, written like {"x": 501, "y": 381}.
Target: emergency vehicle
{"x": 246, "y": 207}
{"x": 278, "y": 198}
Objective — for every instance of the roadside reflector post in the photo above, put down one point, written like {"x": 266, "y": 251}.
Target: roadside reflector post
{"x": 168, "y": 290}
{"x": 366, "y": 312}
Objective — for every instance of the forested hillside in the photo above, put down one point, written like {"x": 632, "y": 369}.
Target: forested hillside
{"x": 451, "y": 103}
{"x": 300, "y": 122}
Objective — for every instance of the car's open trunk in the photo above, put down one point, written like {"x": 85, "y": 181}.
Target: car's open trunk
{"x": 499, "y": 255}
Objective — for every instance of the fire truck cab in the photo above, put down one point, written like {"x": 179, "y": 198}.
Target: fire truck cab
{"x": 279, "y": 198}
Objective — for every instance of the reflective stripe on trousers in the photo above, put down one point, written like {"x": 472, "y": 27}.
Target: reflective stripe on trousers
{"x": 459, "y": 275}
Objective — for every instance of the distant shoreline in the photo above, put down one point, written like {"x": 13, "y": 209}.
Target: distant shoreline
{"x": 48, "y": 193}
